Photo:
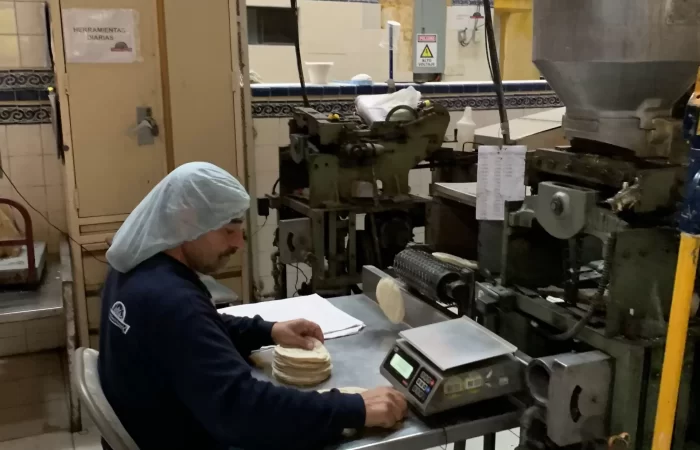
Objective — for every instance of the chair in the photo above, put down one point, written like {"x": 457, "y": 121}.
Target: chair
{"x": 87, "y": 381}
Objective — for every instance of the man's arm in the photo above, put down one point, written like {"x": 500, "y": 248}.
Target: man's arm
{"x": 216, "y": 384}
{"x": 248, "y": 334}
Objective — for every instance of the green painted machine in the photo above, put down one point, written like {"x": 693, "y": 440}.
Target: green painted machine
{"x": 338, "y": 169}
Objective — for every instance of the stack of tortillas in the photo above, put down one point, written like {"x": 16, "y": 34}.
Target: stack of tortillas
{"x": 299, "y": 367}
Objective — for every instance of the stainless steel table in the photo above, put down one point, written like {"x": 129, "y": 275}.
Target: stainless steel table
{"x": 356, "y": 360}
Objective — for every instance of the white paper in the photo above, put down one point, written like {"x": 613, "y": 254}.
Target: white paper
{"x": 334, "y": 322}
{"x": 500, "y": 178}
{"x": 101, "y": 35}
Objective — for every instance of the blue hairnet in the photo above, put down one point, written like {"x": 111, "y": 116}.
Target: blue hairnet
{"x": 192, "y": 200}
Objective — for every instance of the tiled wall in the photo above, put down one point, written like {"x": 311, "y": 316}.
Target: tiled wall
{"x": 272, "y": 109}
{"x": 23, "y": 40}
{"x": 27, "y": 142}
{"x": 33, "y": 395}
{"x": 352, "y": 36}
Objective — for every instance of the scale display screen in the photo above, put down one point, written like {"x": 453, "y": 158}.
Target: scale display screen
{"x": 400, "y": 365}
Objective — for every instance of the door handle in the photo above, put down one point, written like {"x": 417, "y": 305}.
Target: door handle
{"x": 146, "y": 128}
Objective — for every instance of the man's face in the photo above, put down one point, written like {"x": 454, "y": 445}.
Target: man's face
{"x": 212, "y": 251}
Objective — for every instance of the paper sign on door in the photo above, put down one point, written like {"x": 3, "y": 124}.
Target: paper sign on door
{"x": 101, "y": 35}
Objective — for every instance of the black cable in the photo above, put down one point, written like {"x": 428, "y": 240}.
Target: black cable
{"x": 274, "y": 186}
{"x": 89, "y": 252}
{"x": 599, "y": 295}
{"x": 297, "y": 50}
{"x": 496, "y": 75}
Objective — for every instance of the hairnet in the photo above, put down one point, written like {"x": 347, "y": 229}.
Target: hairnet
{"x": 190, "y": 201}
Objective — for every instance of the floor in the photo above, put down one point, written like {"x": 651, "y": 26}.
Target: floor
{"x": 90, "y": 440}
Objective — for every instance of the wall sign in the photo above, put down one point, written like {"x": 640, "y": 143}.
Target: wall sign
{"x": 426, "y": 50}
{"x": 101, "y": 35}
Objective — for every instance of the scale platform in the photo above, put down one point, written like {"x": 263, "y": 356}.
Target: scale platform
{"x": 451, "y": 364}
{"x": 456, "y": 343}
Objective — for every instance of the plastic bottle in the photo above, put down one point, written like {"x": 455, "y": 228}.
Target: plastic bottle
{"x": 465, "y": 131}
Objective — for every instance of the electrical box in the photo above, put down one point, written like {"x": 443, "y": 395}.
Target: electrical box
{"x": 429, "y": 23}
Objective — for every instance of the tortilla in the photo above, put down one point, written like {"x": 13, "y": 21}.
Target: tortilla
{"x": 318, "y": 354}
{"x": 390, "y": 299}
{"x": 456, "y": 260}
{"x": 310, "y": 379}
{"x": 299, "y": 367}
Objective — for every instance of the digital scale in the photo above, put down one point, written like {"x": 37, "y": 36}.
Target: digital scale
{"x": 451, "y": 364}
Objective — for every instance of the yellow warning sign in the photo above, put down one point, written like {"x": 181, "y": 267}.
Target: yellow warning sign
{"x": 426, "y": 53}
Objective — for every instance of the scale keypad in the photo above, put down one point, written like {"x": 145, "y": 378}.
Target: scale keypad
{"x": 423, "y": 385}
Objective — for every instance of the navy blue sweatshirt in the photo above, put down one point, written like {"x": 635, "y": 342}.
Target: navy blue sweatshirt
{"x": 176, "y": 374}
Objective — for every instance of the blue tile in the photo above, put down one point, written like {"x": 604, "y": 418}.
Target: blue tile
{"x": 314, "y": 89}
{"x": 470, "y": 88}
{"x": 442, "y": 88}
{"x": 7, "y": 96}
{"x": 27, "y": 95}
{"x": 456, "y": 88}
{"x": 279, "y": 91}
{"x": 364, "y": 90}
{"x": 511, "y": 87}
{"x": 348, "y": 89}
{"x": 331, "y": 90}
{"x": 295, "y": 90}
{"x": 485, "y": 88}
{"x": 43, "y": 95}
{"x": 380, "y": 89}
{"x": 425, "y": 88}
{"x": 400, "y": 86}
{"x": 260, "y": 91}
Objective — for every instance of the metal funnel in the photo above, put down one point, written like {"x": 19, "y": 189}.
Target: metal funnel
{"x": 618, "y": 65}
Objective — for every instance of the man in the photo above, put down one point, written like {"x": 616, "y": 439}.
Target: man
{"x": 172, "y": 367}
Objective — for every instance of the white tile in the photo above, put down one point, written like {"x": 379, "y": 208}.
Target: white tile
{"x": 33, "y": 52}
{"x": 283, "y": 132}
{"x": 46, "y": 341}
{"x": 53, "y": 170}
{"x": 9, "y": 52}
{"x": 265, "y": 237}
{"x": 25, "y": 366}
{"x": 32, "y": 391}
{"x": 264, "y": 263}
{"x": 266, "y": 131}
{"x": 24, "y": 140}
{"x": 264, "y": 182}
{"x": 267, "y": 158}
{"x": 13, "y": 345}
{"x": 11, "y": 329}
{"x": 8, "y": 25}
{"x": 372, "y": 16}
{"x": 48, "y": 139}
{"x": 55, "y": 441}
{"x": 33, "y": 420}
{"x": 87, "y": 440}
{"x": 30, "y": 18}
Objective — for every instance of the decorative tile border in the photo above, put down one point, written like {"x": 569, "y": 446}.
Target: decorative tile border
{"x": 24, "y": 114}
{"x": 452, "y": 103}
{"x": 13, "y": 80}
{"x": 260, "y": 91}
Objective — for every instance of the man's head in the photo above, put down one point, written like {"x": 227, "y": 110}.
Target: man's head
{"x": 211, "y": 251}
{"x": 194, "y": 214}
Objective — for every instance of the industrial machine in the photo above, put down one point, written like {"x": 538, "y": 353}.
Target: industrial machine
{"x": 338, "y": 167}
{"x": 580, "y": 274}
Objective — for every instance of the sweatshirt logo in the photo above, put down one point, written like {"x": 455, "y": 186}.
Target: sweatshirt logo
{"x": 117, "y": 314}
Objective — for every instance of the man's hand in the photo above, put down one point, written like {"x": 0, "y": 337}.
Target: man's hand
{"x": 296, "y": 333}
{"x": 384, "y": 407}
